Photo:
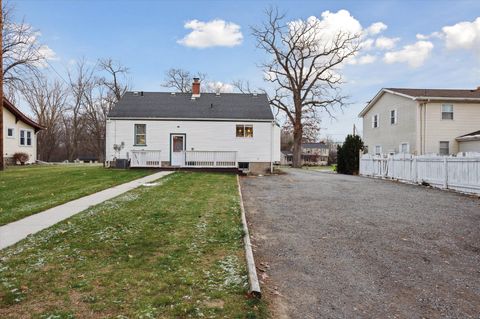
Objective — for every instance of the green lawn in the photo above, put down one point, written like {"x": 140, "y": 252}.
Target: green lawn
{"x": 28, "y": 190}
{"x": 174, "y": 250}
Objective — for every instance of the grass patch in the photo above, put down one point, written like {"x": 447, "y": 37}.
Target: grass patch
{"x": 28, "y": 190}
{"x": 169, "y": 251}
{"x": 321, "y": 168}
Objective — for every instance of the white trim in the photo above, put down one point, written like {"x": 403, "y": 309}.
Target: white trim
{"x": 25, "y": 137}
{"x": 377, "y": 97}
{"x": 377, "y": 120}
{"x": 400, "y": 148}
{"x": 414, "y": 98}
{"x": 395, "y": 117}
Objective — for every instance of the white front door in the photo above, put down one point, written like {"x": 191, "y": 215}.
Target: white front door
{"x": 177, "y": 146}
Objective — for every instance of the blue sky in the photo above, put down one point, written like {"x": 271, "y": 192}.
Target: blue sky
{"x": 146, "y": 37}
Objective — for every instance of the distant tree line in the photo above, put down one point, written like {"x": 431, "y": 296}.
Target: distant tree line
{"x": 73, "y": 110}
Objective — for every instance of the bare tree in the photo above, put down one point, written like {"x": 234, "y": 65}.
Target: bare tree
{"x": 100, "y": 95}
{"x": 47, "y": 101}
{"x": 23, "y": 54}
{"x": 181, "y": 80}
{"x": 72, "y": 118}
{"x": 303, "y": 69}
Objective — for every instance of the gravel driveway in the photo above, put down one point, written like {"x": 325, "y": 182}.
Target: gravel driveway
{"x": 336, "y": 246}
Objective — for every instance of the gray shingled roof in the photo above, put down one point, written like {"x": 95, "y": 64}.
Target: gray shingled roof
{"x": 448, "y": 93}
{"x": 235, "y": 106}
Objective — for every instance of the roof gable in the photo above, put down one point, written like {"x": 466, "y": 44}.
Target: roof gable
{"x": 427, "y": 94}
{"x": 165, "y": 105}
{"x": 20, "y": 116}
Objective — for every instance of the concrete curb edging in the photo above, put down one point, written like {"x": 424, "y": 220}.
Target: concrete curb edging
{"x": 254, "y": 288}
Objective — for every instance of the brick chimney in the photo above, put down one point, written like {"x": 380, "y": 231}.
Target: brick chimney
{"x": 196, "y": 87}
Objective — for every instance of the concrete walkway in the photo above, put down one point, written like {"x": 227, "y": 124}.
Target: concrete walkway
{"x": 20, "y": 229}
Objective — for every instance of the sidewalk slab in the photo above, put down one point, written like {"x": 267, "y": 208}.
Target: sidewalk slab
{"x": 20, "y": 229}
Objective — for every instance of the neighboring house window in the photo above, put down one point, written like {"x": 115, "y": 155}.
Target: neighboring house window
{"x": 375, "y": 122}
{"x": 444, "y": 148}
{"x": 447, "y": 112}
{"x": 10, "y": 132}
{"x": 140, "y": 134}
{"x": 378, "y": 150}
{"x": 25, "y": 138}
{"x": 29, "y": 138}
{"x": 244, "y": 131}
{"x": 393, "y": 117}
{"x": 404, "y": 148}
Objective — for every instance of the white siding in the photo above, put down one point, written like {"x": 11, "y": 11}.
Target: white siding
{"x": 200, "y": 136}
{"x": 391, "y": 136}
{"x": 12, "y": 145}
{"x": 466, "y": 119}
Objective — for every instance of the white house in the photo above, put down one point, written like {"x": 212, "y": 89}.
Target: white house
{"x": 422, "y": 121}
{"x": 194, "y": 130}
{"x": 19, "y": 134}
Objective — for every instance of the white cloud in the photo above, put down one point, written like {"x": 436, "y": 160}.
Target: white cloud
{"x": 219, "y": 87}
{"x": 367, "y": 44}
{"x": 212, "y": 33}
{"x": 367, "y": 59}
{"x": 384, "y": 43}
{"x": 376, "y": 28}
{"x": 413, "y": 54}
{"x": 364, "y": 59}
{"x": 463, "y": 35}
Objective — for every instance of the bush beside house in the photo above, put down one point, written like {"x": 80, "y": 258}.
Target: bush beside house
{"x": 348, "y": 155}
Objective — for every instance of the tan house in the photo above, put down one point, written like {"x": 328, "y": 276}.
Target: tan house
{"x": 19, "y": 133}
{"x": 312, "y": 154}
{"x": 422, "y": 121}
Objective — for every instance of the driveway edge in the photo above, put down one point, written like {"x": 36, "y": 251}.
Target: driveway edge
{"x": 254, "y": 288}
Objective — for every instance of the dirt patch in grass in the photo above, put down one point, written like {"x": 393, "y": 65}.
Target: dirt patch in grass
{"x": 170, "y": 251}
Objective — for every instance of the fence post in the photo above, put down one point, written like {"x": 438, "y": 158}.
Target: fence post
{"x": 445, "y": 172}
{"x": 415, "y": 172}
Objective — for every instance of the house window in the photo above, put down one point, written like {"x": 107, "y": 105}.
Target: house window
{"x": 404, "y": 148}
{"x": 393, "y": 117}
{"x": 444, "y": 148}
{"x": 378, "y": 150}
{"x": 140, "y": 134}
{"x": 447, "y": 112}
{"x": 25, "y": 138}
{"x": 244, "y": 131}
{"x": 29, "y": 138}
{"x": 22, "y": 137}
{"x": 10, "y": 132}
{"x": 375, "y": 122}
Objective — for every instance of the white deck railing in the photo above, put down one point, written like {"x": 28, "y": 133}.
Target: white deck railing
{"x": 210, "y": 159}
{"x": 461, "y": 173}
{"x": 145, "y": 159}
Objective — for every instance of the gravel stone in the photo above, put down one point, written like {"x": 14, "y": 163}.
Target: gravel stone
{"x": 342, "y": 246}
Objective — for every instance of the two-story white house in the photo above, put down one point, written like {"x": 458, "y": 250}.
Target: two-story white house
{"x": 19, "y": 134}
{"x": 193, "y": 130}
{"x": 422, "y": 121}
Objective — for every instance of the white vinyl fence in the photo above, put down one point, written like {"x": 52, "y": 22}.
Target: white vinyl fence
{"x": 460, "y": 173}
